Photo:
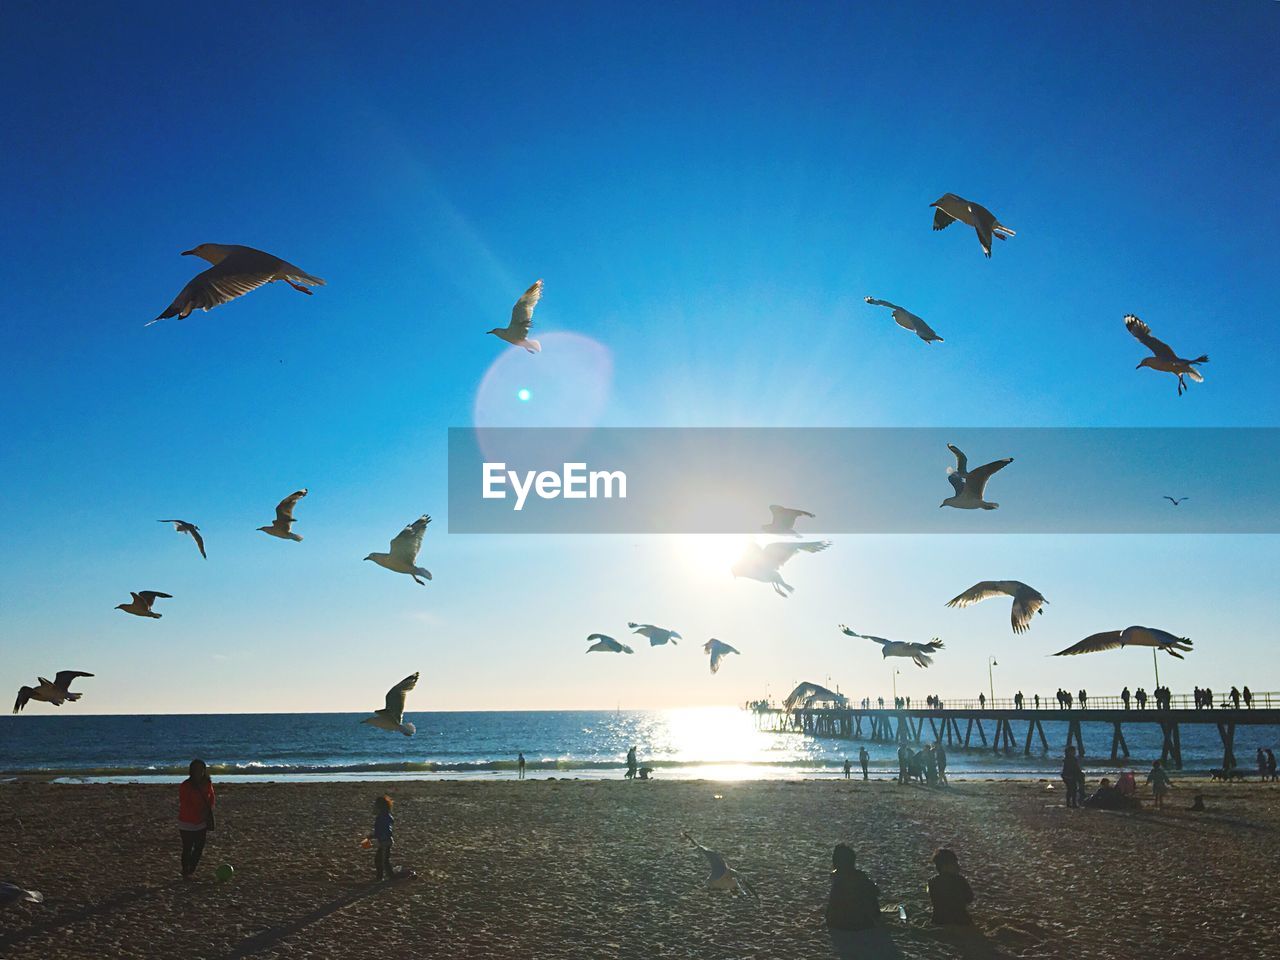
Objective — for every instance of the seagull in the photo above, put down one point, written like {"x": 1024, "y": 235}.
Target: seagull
{"x": 918, "y": 652}
{"x": 970, "y": 486}
{"x": 140, "y": 606}
{"x": 1165, "y": 360}
{"x": 236, "y": 270}
{"x": 391, "y": 717}
{"x": 718, "y": 649}
{"x": 11, "y": 894}
{"x": 784, "y": 520}
{"x": 282, "y": 526}
{"x": 908, "y": 320}
{"x": 56, "y": 692}
{"x": 1175, "y": 500}
{"x": 657, "y": 635}
{"x": 516, "y": 332}
{"x": 1130, "y": 637}
{"x": 949, "y": 208}
{"x": 403, "y": 557}
{"x": 191, "y": 530}
{"x": 722, "y": 876}
{"x": 1027, "y": 601}
{"x": 765, "y": 563}
{"x": 605, "y": 644}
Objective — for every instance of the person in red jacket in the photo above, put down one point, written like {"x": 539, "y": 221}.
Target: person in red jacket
{"x": 195, "y": 815}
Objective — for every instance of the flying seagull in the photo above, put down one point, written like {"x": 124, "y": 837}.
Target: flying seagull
{"x": 718, "y": 649}
{"x": 1175, "y": 500}
{"x": 949, "y": 208}
{"x": 969, "y": 485}
{"x": 1027, "y": 601}
{"x": 1130, "y": 637}
{"x": 191, "y": 530}
{"x": 391, "y": 717}
{"x": 1164, "y": 359}
{"x": 657, "y": 635}
{"x": 605, "y": 644}
{"x": 236, "y": 270}
{"x": 907, "y": 320}
{"x": 917, "y": 652}
{"x": 282, "y": 526}
{"x": 140, "y": 606}
{"x": 722, "y": 876}
{"x": 11, "y": 894}
{"x": 56, "y": 692}
{"x": 516, "y": 332}
{"x": 765, "y": 563}
{"x": 403, "y": 557}
{"x": 784, "y": 520}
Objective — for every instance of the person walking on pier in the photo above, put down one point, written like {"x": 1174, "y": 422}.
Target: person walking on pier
{"x": 1072, "y": 777}
{"x": 1208, "y": 699}
{"x": 1124, "y": 697}
{"x": 1248, "y": 699}
{"x": 1084, "y": 699}
{"x": 1235, "y": 699}
{"x": 1198, "y": 696}
{"x": 881, "y": 702}
{"x": 1037, "y": 701}
{"x": 1160, "y": 783}
{"x": 982, "y": 701}
{"x": 1066, "y": 695}
{"x": 863, "y": 759}
{"x": 1141, "y": 697}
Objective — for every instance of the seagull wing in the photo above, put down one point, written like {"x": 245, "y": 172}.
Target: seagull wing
{"x": 396, "y": 697}
{"x": 780, "y": 553}
{"x": 284, "y": 509}
{"x": 980, "y": 475}
{"x": 942, "y": 219}
{"x": 977, "y": 593}
{"x": 522, "y": 312}
{"x": 1027, "y": 602}
{"x": 63, "y": 678}
{"x": 922, "y": 329}
{"x": 864, "y": 636}
{"x": 1142, "y": 333}
{"x": 962, "y": 462}
{"x": 408, "y": 541}
{"x": 1099, "y": 641}
{"x": 149, "y": 596}
{"x": 786, "y": 516}
{"x": 24, "y": 697}
{"x": 881, "y": 303}
{"x": 194, "y": 531}
{"x": 718, "y": 650}
{"x": 220, "y": 284}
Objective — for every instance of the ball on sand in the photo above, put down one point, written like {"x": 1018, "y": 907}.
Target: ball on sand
{"x": 225, "y": 872}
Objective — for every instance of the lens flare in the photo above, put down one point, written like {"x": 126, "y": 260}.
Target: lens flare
{"x": 523, "y": 395}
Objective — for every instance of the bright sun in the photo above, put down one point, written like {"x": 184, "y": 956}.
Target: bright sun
{"x": 709, "y": 555}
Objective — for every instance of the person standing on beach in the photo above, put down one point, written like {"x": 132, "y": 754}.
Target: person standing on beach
{"x": 863, "y": 759}
{"x": 520, "y": 764}
{"x": 853, "y": 907}
{"x": 1160, "y": 783}
{"x": 195, "y": 815}
{"x": 1072, "y": 777}
{"x": 848, "y": 767}
{"x": 631, "y": 763}
{"x": 941, "y": 756}
{"x": 1271, "y": 765}
{"x": 1262, "y": 765}
{"x": 904, "y": 758}
{"x": 383, "y": 823}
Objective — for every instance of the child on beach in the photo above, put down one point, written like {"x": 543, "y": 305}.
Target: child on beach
{"x": 381, "y": 835}
{"x": 949, "y": 892}
{"x": 195, "y": 815}
{"x": 1160, "y": 784}
{"x": 853, "y": 910}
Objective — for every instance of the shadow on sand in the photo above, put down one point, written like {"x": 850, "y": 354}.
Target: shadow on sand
{"x": 268, "y": 938}
{"x": 68, "y": 917}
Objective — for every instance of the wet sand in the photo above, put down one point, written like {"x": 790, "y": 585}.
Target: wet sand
{"x": 581, "y": 869}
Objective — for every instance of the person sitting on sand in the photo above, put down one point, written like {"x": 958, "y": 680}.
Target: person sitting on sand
{"x": 195, "y": 815}
{"x": 1107, "y": 797}
{"x": 383, "y": 823}
{"x": 853, "y": 906}
{"x": 1127, "y": 784}
{"x": 949, "y": 892}
{"x": 1160, "y": 783}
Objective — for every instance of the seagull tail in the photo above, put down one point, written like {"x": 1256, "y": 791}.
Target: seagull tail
{"x": 1000, "y": 228}
{"x": 533, "y": 346}
{"x": 74, "y": 696}
{"x": 408, "y": 729}
{"x": 1203, "y": 358}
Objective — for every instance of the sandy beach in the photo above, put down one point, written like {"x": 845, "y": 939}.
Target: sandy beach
{"x": 579, "y": 869}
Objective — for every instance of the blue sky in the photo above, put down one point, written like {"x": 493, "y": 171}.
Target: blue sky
{"x": 709, "y": 193}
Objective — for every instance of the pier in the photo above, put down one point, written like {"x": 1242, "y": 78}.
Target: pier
{"x": 1000, "y": 726}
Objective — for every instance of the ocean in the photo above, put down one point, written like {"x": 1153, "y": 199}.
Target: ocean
{"x": 712, "y": 743}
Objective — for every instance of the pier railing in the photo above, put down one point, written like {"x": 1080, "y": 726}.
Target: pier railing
{"x": 1266, "y": 700}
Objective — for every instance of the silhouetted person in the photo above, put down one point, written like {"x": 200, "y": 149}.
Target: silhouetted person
{"x": 848, "y": 768}
{"x": 904, "y": 759}
{"x": 930, "y": 764}
{"x": 1124, "y": 697}
{"x": 520, "y": 765}
{"x": 853, "y": 906}
{"x": 1072, "y": 777}
{"x": 1262, "y": 765}
{"x": 1141, "y": 697}
{"x": 1208, "y": 698}
{"x": 949, "y": 892}
{"x": 631, "y": 763}
{"x": 1160, "y": 783}
{"x": 1066, "y": 695}
{"x": 1271, "y": 765}
{"x": 1235, "y": 699}
{"x": 1084, "y": 700}
{"x": 382, "y": 835}
{"x": 1037, "y": 701}
{"x": 1248, "y": 699}
{"x": 863, "y": 759}
{"x": 195, "y": 815}
{"x": 941, "y": 756}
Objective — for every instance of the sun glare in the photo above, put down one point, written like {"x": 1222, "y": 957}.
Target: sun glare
{"x": 709, "y": 555}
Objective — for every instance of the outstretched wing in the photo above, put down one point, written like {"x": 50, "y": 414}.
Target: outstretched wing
{"x": 980, "y": 475}
{"x": 786, "y": 516}
{"x": 195, "y": 535}
{"x": 522, "y": 312}
{"x": 1026, "y": 604}
{"x": 976, "y": 594}
{"x": 942, "y": 219}
{"x": 1143, "y": 334}
{"x": 408, "y": 541}
{"x": 962, "y": 462}
{"x": 1109, "y": 640}
{"x": 63, "y": 678}
{"x": 863, "y": 636}
{"x": 24, "y": 697}
{"x": 284, "y": 509}
{"x": 881, "y": 303}
{"x": 396, "y": 697}
{"x": 220, "y": 284}
{"x": 149, "y": 596}
{"x": 780, "y": 553}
